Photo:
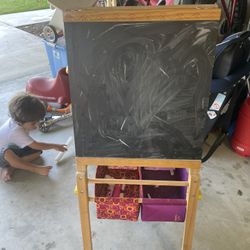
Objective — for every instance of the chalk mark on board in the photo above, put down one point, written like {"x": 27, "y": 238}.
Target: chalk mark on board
{"x": 90, "y": 117}
{"x": 158, "y": 118}
{"x": 88, "y": 34}
{"x": 86, "y": 70}
{"x": 164, "y": 72}
{"x": 124, "y": 143}
{"x": 124, "y": 122}
{"x": 111, "y": 138}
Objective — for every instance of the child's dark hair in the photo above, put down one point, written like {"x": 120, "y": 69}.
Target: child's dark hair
{"x": 26, "y": 108}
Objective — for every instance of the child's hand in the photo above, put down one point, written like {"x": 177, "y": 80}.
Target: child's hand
{"x": 61, "y": 147}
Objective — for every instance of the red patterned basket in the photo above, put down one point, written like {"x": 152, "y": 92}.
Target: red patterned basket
{"x": 108, "y": 205}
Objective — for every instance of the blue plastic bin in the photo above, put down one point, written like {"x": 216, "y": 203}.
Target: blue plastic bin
{"x": 57, "y": 57}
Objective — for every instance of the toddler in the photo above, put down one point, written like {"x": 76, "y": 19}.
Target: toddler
{"x": 17, "y": 148}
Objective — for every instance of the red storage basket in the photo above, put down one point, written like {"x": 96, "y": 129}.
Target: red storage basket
{"x": 108, "y": 205}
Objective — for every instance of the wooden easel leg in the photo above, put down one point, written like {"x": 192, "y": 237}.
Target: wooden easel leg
{"x": 82, "y": 187}
{"x": 192, "y": 201}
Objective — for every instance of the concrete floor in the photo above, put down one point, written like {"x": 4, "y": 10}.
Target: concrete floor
{"x": 40, "y": 213}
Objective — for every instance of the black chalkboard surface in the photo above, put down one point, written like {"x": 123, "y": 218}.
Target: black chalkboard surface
{"x": 140, "y": 90}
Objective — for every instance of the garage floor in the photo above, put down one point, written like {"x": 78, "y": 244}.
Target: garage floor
{"x": 38, "y": 213}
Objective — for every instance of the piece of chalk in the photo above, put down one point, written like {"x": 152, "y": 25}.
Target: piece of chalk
{"x": 60, "y": 155}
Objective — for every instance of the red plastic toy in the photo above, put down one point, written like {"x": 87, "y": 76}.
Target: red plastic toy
{"x": 51, "y": 90}
{"x": 241, "y": 137}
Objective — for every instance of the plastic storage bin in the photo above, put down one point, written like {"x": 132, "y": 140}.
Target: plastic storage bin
{"x": 241, "y": 138}
{"x": 117, "y": 201}
{"x": 163, "y": 203}
{"x": 57, "y": 57}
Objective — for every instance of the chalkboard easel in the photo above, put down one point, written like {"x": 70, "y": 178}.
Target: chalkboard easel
{"x": 108, "y": 129}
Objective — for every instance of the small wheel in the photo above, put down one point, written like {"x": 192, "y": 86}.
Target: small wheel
{"x": 43, "y": 128}
{"x": 101, "y": 3}
{"x": 50, "y": 34}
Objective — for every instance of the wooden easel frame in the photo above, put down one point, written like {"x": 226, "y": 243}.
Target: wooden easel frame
{"x": 192, "y": 184}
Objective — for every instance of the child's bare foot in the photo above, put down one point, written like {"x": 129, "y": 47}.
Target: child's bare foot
{"x": 42, "y": 170}
{"x": 6, "y": 173}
